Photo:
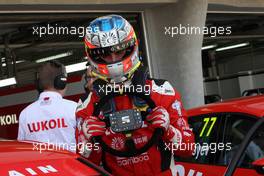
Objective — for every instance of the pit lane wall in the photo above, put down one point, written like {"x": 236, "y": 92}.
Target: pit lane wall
{"x": 13, "y": 101}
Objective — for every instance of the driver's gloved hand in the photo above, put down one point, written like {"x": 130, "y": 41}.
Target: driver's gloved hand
{"x": 93, "y": 126}
{"x": 159, "y": 118}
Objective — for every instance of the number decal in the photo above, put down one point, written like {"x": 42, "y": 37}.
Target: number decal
{"x": 213, "y": 120}
{"x": 206, "y": 120}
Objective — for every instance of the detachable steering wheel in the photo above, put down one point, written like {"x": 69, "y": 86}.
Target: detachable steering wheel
{"x": 130, "y": 148}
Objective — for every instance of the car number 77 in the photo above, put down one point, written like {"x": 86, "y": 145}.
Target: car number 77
{"x": 207, "y": 120}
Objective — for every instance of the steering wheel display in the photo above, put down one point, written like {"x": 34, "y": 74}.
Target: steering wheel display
{"x": 126, "y": 121}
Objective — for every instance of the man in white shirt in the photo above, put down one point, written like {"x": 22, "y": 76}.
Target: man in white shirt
{"x": 50, "y": 119}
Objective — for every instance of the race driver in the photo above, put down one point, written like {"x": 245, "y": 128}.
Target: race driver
{"x": 112, "y": 51}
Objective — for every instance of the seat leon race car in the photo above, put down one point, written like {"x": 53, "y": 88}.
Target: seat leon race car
{"x": 25, "y": 159}
{"x": 219, "y": 130}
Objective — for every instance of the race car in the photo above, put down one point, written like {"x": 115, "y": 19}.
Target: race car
{"x": 31, "y": 158}
{"x": 219, "y": 130}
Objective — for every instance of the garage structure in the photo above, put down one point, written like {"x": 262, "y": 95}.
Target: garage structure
{"x": 235, "y": 63}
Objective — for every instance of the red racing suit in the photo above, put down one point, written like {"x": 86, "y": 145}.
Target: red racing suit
{"x": 148, "y": 163}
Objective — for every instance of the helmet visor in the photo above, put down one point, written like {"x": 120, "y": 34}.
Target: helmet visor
{"x": 112, "y": 54}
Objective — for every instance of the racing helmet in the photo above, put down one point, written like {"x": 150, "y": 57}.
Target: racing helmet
{"x": 111, "y": 47}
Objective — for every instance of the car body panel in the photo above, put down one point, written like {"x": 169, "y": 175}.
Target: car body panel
{"x": 252, "y": 106}
{"x": 23, "y": 159}
{"x": 193, "y": 169}
{"x": 249, "y": 105}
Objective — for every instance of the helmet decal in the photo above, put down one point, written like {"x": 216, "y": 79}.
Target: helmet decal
{"x": 108, "y": 38}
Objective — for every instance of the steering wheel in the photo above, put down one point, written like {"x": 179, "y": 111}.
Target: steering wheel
{"x": 131, "y": 149}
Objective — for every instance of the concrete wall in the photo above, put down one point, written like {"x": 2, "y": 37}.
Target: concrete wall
{"x": 258, "y": 81}
{"x": 178, "y": 58}
{"x": 228, "y": 88}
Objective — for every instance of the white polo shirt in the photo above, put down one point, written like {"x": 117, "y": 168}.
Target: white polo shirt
{"x": 50, "y": 119}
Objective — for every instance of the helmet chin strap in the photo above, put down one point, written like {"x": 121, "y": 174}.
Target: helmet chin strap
{"x": 125, "y": 84}
{"x": 119, "y": 80}
{"x": 99, "y": 76}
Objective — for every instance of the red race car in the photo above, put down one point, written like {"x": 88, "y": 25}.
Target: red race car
{"x": 27, "y": 159}
{"x": 220, "y": 129}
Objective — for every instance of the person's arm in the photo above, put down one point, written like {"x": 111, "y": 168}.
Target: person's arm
{"x": 21, "y": 127}
{"x": 181, "y": 134}
{"x": 172, "y": 118}
{"x": 86, "y": 147}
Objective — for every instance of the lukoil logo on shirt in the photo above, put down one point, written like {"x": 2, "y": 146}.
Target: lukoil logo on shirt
{"x": 47, "y": 125}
